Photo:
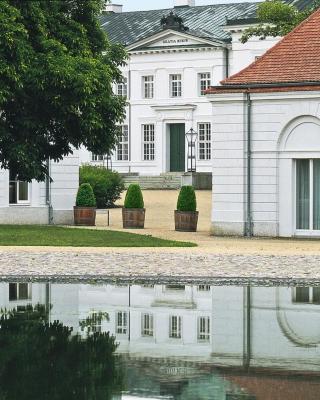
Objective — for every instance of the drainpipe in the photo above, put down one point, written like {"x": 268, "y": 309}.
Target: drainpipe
{"x": 227, "y": 59}
{"x": 130, "y": 117}
{"x": 248, "y": 224}
{"x": 48, "y": 193}
{"x": 247, "y": 328}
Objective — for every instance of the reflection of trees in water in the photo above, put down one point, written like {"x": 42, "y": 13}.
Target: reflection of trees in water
{"x": 45, "y": 361}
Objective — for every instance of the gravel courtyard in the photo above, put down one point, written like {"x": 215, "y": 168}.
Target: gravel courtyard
{"x": 217, "y": 260}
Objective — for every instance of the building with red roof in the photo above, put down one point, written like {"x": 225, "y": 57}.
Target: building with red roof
{"x": 266, "y": 142}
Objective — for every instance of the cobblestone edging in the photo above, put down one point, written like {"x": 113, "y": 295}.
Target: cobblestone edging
{"x": 162, "y": 267}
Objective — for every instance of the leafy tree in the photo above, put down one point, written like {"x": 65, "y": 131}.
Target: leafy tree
{"x": 57, "y": 68}
{"x": 277, "y": 19}
{"x": 45, "y": 361}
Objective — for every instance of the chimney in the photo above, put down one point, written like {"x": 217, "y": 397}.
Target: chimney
{"x": 184, "y": 3}
{"x": 114, "y": 8}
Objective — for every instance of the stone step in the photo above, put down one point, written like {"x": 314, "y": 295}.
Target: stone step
{"x": 163, "y": 181}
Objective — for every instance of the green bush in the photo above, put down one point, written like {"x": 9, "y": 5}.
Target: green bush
{"x": 187, "y": 199}
{"x": 107, "y": 185}
{"x": 134, "y": 198}
{"x": 85, "y": 196}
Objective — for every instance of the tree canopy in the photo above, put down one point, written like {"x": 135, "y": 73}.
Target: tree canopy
{"x": 277, "y": 19}
{"x": 57, "y": 68}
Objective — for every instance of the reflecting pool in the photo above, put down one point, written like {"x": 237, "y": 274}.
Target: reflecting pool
{"x": 134, "y": 342}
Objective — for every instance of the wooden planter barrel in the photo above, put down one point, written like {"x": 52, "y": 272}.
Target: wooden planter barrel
{"x": 133, "y": 218}
{"x": 186, "y": 221}
{"x": 84, "y": 216}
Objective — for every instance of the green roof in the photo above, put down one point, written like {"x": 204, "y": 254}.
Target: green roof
{"x": 203, "y": 21}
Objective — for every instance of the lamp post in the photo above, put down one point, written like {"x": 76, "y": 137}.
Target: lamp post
{"x": 192, "y": 137}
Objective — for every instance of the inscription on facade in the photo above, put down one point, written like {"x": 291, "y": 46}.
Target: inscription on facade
{"x": 175, "y": 41}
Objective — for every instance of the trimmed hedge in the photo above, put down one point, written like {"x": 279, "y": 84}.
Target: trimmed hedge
{"x": 85, "y": 196}
{"x": 187, "y": 199}
{"x": 134, "y": 198}
{"x": 107, "y": 185}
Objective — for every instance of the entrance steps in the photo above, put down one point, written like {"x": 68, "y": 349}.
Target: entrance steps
{"x": 165, "y": 181}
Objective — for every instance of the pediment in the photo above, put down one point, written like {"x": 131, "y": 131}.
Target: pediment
{"x": 170, "y": 39}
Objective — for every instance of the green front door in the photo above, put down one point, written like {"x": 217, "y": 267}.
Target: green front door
{"x": 177, "y": 147}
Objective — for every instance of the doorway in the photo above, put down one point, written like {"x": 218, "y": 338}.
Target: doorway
{"x": 177, "y": 148}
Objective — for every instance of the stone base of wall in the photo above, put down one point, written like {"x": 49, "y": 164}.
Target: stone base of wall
{"x": 21, "y": 215}
{"x": 199, "y": 180}
{"x": 227, "y": 228}
{"x": 266, "y": 229}
{"x": 63, "y": 217}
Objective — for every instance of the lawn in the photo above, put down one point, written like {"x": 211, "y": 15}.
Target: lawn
{"x": 34, "y": 235}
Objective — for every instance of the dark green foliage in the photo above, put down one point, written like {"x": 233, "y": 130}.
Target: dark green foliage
{"x": 51, "y": 362}
{"x": 85, "y": 196}
{"x": 57, "y": 69}
{"x": 107, "y": 185}
{"x": 277, "y": 19}
{"x": 19, "y": 235}
{"x": 134, "y": 198}
{"x": 187, "y": 199}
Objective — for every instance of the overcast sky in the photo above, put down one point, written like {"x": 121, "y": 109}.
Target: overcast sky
{"x": 133, "y": 5}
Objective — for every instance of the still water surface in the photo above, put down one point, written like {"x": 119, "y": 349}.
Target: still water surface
{"x": 92, "y": 342}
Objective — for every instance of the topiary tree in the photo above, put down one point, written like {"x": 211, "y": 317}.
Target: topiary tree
{"x": 85, "y": 196}
{"x": 107, "y": 185}
{"x": 134, "y": 198}
{"x": 187, "y": 199}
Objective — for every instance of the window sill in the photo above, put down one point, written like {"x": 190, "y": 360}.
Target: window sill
{"x": 20, "y": 205}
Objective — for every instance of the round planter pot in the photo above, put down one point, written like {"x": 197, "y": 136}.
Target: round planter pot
{"x": 133, "y": 218}
{"x": 186, "y": 221}
{"x": 84, "y": 216}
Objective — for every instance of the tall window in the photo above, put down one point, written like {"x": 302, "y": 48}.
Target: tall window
{"x": 123, "y": 144}
{"x": 121, "y": 322}
{"x": 204, "y": 141}
{"x": 175, "y": 327}
{"x": 204, "y": 82}
{"x": 308, "y": 194}
{"x": 148, "y": 87}
{"x": 148, "y": 142}
{"x": 19, "y": 291}
{"x": 310, "y": 295}
{"x": 97, "y": 157}
{"x": 175, "y": 85}
{"x": 204, "y": 329}
{"x": 122, "y": 88}
{"x": 18, "y": 191}
{"x": 147, "y": 325}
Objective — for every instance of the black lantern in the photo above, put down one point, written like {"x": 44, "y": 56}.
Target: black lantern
{"x": 192, "y": 137}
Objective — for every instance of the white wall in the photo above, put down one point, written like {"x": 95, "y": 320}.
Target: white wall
{"x": 274, "y": 116}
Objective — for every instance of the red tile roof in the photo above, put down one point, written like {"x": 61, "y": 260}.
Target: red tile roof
{"x": 295, "y": 58}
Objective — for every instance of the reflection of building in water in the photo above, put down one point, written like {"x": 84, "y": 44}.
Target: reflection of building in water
{"x": 173, "y": 338}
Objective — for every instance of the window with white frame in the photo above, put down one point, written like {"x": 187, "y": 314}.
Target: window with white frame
{"x": 306, "y": 295}
{"x": 175, "y": 85}
{"x": 18, "y": 191}
{"x": 204, "y": 141}
{"x": 175, "y": 324}
{"x": 176, "y": 287}
{"x": 121, "y": 322}
{"x": 19, "y": 291}
{"x": 204, "y": 329}
{"x": 204, "y": 82}
{"x": 148, "y": 87}
{"x": 97, "y": 157}
{"x": 147, "y": 325}
{"x": 123, "y": 144}
{"x": 148, "y": 142}
{"x": 204, "y": 288}
{"x": 122, "y": 88}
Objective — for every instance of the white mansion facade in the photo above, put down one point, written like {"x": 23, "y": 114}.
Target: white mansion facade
{"x": 171, "y": 63}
